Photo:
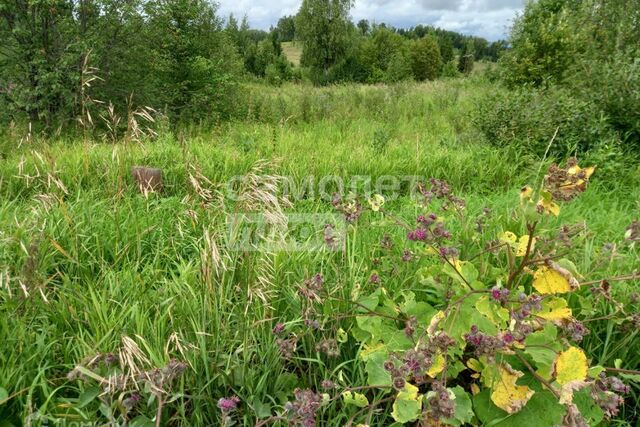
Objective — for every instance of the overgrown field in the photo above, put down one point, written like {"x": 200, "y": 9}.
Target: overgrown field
{"x": 120, "y": 307}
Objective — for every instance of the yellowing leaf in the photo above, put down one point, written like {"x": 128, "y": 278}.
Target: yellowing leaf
{"x": 341, "y": 336}
{"x": 376, "y": 201}
{"x": 575, "y": 170}
{"x": 508, "y": 237}
{"x": 554, "y": 309}
{"x": 437, "y": 366}
{"x": 526, "y": 193}
{"x": 497, "y": 314}
{"x": 571, "y": 365}
{"x": 548, "y": 206}
{"x": 356, "y": 399}
{"x": 408, "y": 404}
{"x": 523, "y": 242}
{"x": 475, "y": 389}
{"x": 368, "y": 350}
{"x": 549, "y": 281}
{"x": 435, "y": 321}
{"x": 474, "y": 365}
{"x": 506, "y": 394}
{"x": 430, "y": 250}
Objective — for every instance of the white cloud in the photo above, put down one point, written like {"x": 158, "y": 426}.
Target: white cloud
{"x": 485, "y": 18}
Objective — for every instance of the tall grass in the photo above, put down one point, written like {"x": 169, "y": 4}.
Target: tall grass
{"x": 89, "y": 265}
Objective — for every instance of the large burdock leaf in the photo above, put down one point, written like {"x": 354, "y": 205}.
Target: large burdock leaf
{"x": 408, "y": 404}
{"x": 523, "y": 243}
{"x": 505, "y": 394}
{"x": 437, "y": 366}
{"x": 549, "y": 281}
{"x": 555, "y": 309}
{"x": 356, "y": 399}
{"x": 571, "y": 365}
{"x": 546, "y": 204}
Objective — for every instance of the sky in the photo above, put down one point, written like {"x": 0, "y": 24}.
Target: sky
{"x": 485, "y": 18}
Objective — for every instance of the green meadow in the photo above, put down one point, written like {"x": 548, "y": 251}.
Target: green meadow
{"x": 93, "y": 271}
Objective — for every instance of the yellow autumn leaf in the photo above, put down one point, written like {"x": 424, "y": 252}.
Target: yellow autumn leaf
{"x": 506, "y": 394}
{"x": 508, "y": 237}
{"x": 571, "y": 365}
{"x": 435, "y": 321}
{"x": 475, "y": 389}
{"x": 368, "y": 350}
{"x": 523, "y": 242}
{"x": 376, "y": 201}
{"x": 548, "y": 206}
{"x": 474, "y": 365}
{"x": 549, "y": 281}
{"x": 430, "y": 250}
{"x": 555, "y": 309}
{"x": 437, "y": 366}
{"x": 525, "y": 193}
{"x": 575, "y": 170}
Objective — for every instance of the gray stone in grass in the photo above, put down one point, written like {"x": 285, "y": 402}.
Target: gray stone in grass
{"x": 147, "y": 179}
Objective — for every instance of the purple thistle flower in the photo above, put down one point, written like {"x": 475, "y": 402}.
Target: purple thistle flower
{"x": 228, "y": 404}
{"x": 278, "y": 329}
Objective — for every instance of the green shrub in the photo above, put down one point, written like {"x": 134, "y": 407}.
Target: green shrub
{"x": 450, "y": 69}
{"x": 614, "y": 86}
{"x": 425, "y": 59}
{"x": 529, "y": 119}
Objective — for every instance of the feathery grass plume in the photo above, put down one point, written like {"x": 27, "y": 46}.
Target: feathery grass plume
{"x": 206, "y": 190}
{"x": 88, "y": 75}
{"x": 133, "y": 361}
{"x": 260, "y": 193}
{"x": 139, "y": 122}
{"x": 212, "y": 259}
{"x": 111, "y": 120}
{"x": 5, "y": 282}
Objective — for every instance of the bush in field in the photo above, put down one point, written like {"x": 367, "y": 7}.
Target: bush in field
{"x": 529, "y": 119}
{"x": 450, "y": 69}
{"x": 467, "y": 58}
{"x": 279, "y": 71}
{"x": 588, "y": 50}
{"x": 541, "y": 44}
{"x": 552, "y": 40}
{"x": 378, "y": 51}
{"x": 426, "y": 61}
{"x": 614, "y": 86}
{"x": 399, "y": 67}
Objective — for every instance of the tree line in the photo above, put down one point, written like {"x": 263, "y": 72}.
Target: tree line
{"x": 61, "y": 60}
{"x": 335, "y": 49}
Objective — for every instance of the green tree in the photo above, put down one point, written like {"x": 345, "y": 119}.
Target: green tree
{"x": 446, "y": 49}
{"x": 195, "y": 63}
{"x": 426, "y": 61}
{"x": 467, "y": 58}
{"x": 364, "y": 26}
{"x": 378, "y": 50}
{"x": 287, "y": 28}
{"x": 323, "y": 28}
{"x": 541, "y": 43}
{"x": 39, "y": 56}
